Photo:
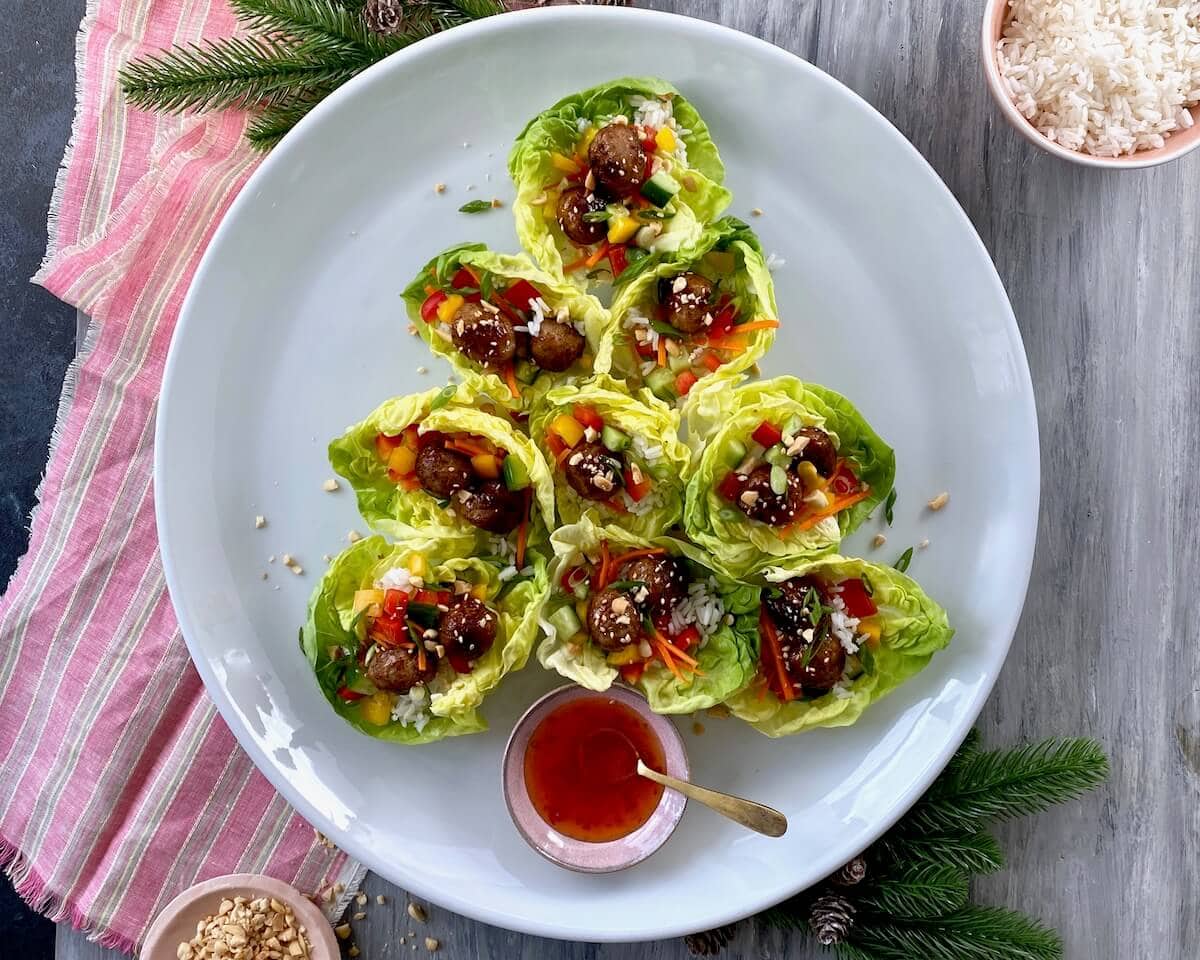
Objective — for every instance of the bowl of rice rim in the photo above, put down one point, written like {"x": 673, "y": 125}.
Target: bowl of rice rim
{"x": 1103, "y": 83}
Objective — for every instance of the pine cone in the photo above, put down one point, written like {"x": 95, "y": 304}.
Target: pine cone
{"x": 709, "y": 943}
{"x": 385, "y": 17}
{"x": 851, "y": 873}
{"x": 831, "y": 918}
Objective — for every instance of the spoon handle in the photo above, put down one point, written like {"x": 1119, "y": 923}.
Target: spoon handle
{"x": 756, "y": 816}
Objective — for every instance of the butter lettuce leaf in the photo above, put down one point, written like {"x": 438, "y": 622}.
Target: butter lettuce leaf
{"x": 728, "y": 254}
{"x": 496, "y": 273}
{"x": 389, "y": 508}
{"x": 728, "y": 658}
{"x": 558, "y": 130}
{"x": 913, "y": 629}
{"x": 653, "y": 430}
{"x": 720, "y": 418}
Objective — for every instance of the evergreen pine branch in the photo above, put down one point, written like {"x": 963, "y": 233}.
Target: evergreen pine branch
{"x": 927, "y": 890}
{"x": 970, "y": 853}
{"x": 471, "y": 9}
{"x": 230, "y": 72}
{"x": 792, "y": 914}
{"x": 974, "y": 933}
{"x": 315, "y": 25}
{"x": 1001, "y": 784}
{"x": 269, "y": 127}
{"x": 848, "y": 951}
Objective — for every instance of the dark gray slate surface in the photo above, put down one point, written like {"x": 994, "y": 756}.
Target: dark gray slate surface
{"x": 37, "y": 333}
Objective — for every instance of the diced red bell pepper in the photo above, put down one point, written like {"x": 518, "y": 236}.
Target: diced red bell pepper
{"x": 644, "y": 348}
{"x": 431, "y": 438}
{"x": 843, "y": 480}
{"x": 632, "y": 672}
{"x": 430, "y": 306}
{"x": 858, "y": 602}
{"x": 411, "y": 436}
{"x": 617, "y": 259}
{"x": 385, "y": 444}
{"x": 556, "y": 444}
{"x": 767, "y": 434}
{"x": 731, "y": 487}
{"x": 684, "y": 382}
{"x": 460, "y": 663}
{"x": 407, "y": 481}
{"x": 723, "y": 319}
{"x": 588, "y": 416}
{"x": 432, "y": 597}
{"x": 521, "y": 293}
{"x": 349, "y": 695}
{"x": 389, "y": 631}
{"x": 463, "y": 280}
{"x": 686, "y": 639}
{"x": 573, "y": 577}
{"x": 395, "y": 603}
{"x": 711, "y": 361}
{"x": 635, "y": 489}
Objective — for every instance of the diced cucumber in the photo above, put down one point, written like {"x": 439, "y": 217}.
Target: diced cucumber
{"x": 516, "y": 474}
{"x": 777, "y": 457}
{"x": 661, "y": 382}
{"x": 854, "y": 666}
{"x": 735, "y": 452}
{"x": 565, "y": 622}
{"x": 360, "y": 684}
{"x": 527, "y": 372}
{"x": 680, "y": 362}
{"x": 778, "y": 481}
{"x": 660, "y": 188}
{"x": 614, "y": 439}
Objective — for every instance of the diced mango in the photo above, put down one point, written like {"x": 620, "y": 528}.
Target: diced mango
{"x": 449, "y": 307}
{"x": 403, "y": 460}
{"x": 626, "y": 655}
{"x": 622, "y": 228}
{"x": 550, "y": 208}
{"x": 665, "y": 138}
{"x": 487, "y": 465}
{"x": 377, "y": 708}
{"x": 417, "y": 565}
{"x": 586, "y": 140}
{"x": 873, "y": 630}
{"x": 567, "y": 428}
{"x": 565, "y": 164}
{"x": 809, "y": 476}
{"x": 479, "y": 591}
{"x": 365, "y": 599}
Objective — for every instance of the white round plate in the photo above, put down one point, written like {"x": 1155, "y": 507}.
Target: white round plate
{"x": 294, "y": 328}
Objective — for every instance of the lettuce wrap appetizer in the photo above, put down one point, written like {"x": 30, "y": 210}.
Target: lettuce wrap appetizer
{"x": 683, "y": 316}
{"x": 510, "y": 329}
{"x": 612, "y": 454}
{"x": 781, "y": 468}
{"x": 836, "y": 634}
{"x": 611, "y": 174}
{"x": 433, "y": 465}
{"x": 651, "y": 613}
{"x": 407, "y": 640}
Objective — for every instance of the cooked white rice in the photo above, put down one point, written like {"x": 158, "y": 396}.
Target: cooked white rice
{"x": 412, "y": 709}
{"x": 702, "y": 607}
{"x": 1107, "y": 77}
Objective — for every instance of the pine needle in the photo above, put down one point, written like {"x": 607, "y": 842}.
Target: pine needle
{"x": 231, "y": 72}
{"x": 848, "y": 951}
{"x": 1000, "y": 784}
{"x": 270, "y": 126}
{"x": 927, "y": 890}
{"x": 316, "y": 25}
{"x": 975, "y": 933}
{"x": 969, "y": 853}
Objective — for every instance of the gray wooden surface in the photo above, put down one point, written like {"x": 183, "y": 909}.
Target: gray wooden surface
{"x": 1104, "y": 274}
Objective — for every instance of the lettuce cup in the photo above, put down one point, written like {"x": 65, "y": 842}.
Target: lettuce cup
{"x": 406, "y": 640}
{"x": 510, "y": 329}
{"x": 614, "y": 455}
{"x": 433, "y": 465}
{"x": 781, "y": 468}
{"x": 612, "y": 174}
{"x": 835, "y": 635}
{"x": 682, "y": 317}
{"x": 650, "y": 612}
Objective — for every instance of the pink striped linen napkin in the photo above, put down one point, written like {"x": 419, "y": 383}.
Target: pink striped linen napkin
{"x": 119, "y": 784}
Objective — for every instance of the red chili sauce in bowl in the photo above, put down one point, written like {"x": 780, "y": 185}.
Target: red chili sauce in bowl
{"x": 581, "y": 769}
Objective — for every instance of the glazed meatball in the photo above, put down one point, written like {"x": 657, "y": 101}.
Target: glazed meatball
{"x": 594, "y": 472}
{"x": 759, "y": 502}
{"x": 399, "y": 670}
{"x": 618, "y": 159}
{"x": 556, "y": 346}
{"x": 483, "y": 335}
{"x": 786, "y": 603}
{"x": 573, "y": 204}
{"x": 443, "y": 472}
{"x": 524, "y": 345}
{"x": 687, "y": 300}
{"x": 666, "y": 581}
{"x": 468, "y": 628}
{"x": 826, "y": 662}
{"x": 613, "y": 620}
{"x": 819, "y": 451}
{"x": 492, "y": 507}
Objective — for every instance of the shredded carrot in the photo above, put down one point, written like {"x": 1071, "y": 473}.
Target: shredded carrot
{"x": 732, "y": 343}
{"x": 600, "y": 254}
{"x": 756, "y": 325}
{"x": 767, "y": 629}
{"x": 469, "y": 447}
{"x": 615, "y": 504}
{"x": 666, "y": 658}
{"x": 838, "y": 505}
{"x": 523, "y": 529}
{"x": 662, "y": 352}
{"x": 634, "y": 554}
{"x": 605, "y": 560}
{"x": 674, "y": 650}
{"x": 421, "y": 657}
{"x": 430, "y": 290}
{"x": 510, "y": 377}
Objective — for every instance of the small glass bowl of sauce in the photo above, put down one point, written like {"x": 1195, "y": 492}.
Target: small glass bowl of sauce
{"x": 571, "y": 782}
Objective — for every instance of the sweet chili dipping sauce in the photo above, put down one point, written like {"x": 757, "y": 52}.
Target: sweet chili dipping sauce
{"x": 581, "y": 769}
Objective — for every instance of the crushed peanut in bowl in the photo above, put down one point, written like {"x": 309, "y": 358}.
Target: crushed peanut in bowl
{"x": 243, "y": 929}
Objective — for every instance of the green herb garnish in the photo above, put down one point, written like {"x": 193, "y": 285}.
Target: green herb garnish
{"x": 475, "y": 206}
{"x": 444, "y": 397}
{"x": 888, "y": 505}
{"x": 904, "y": 561}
